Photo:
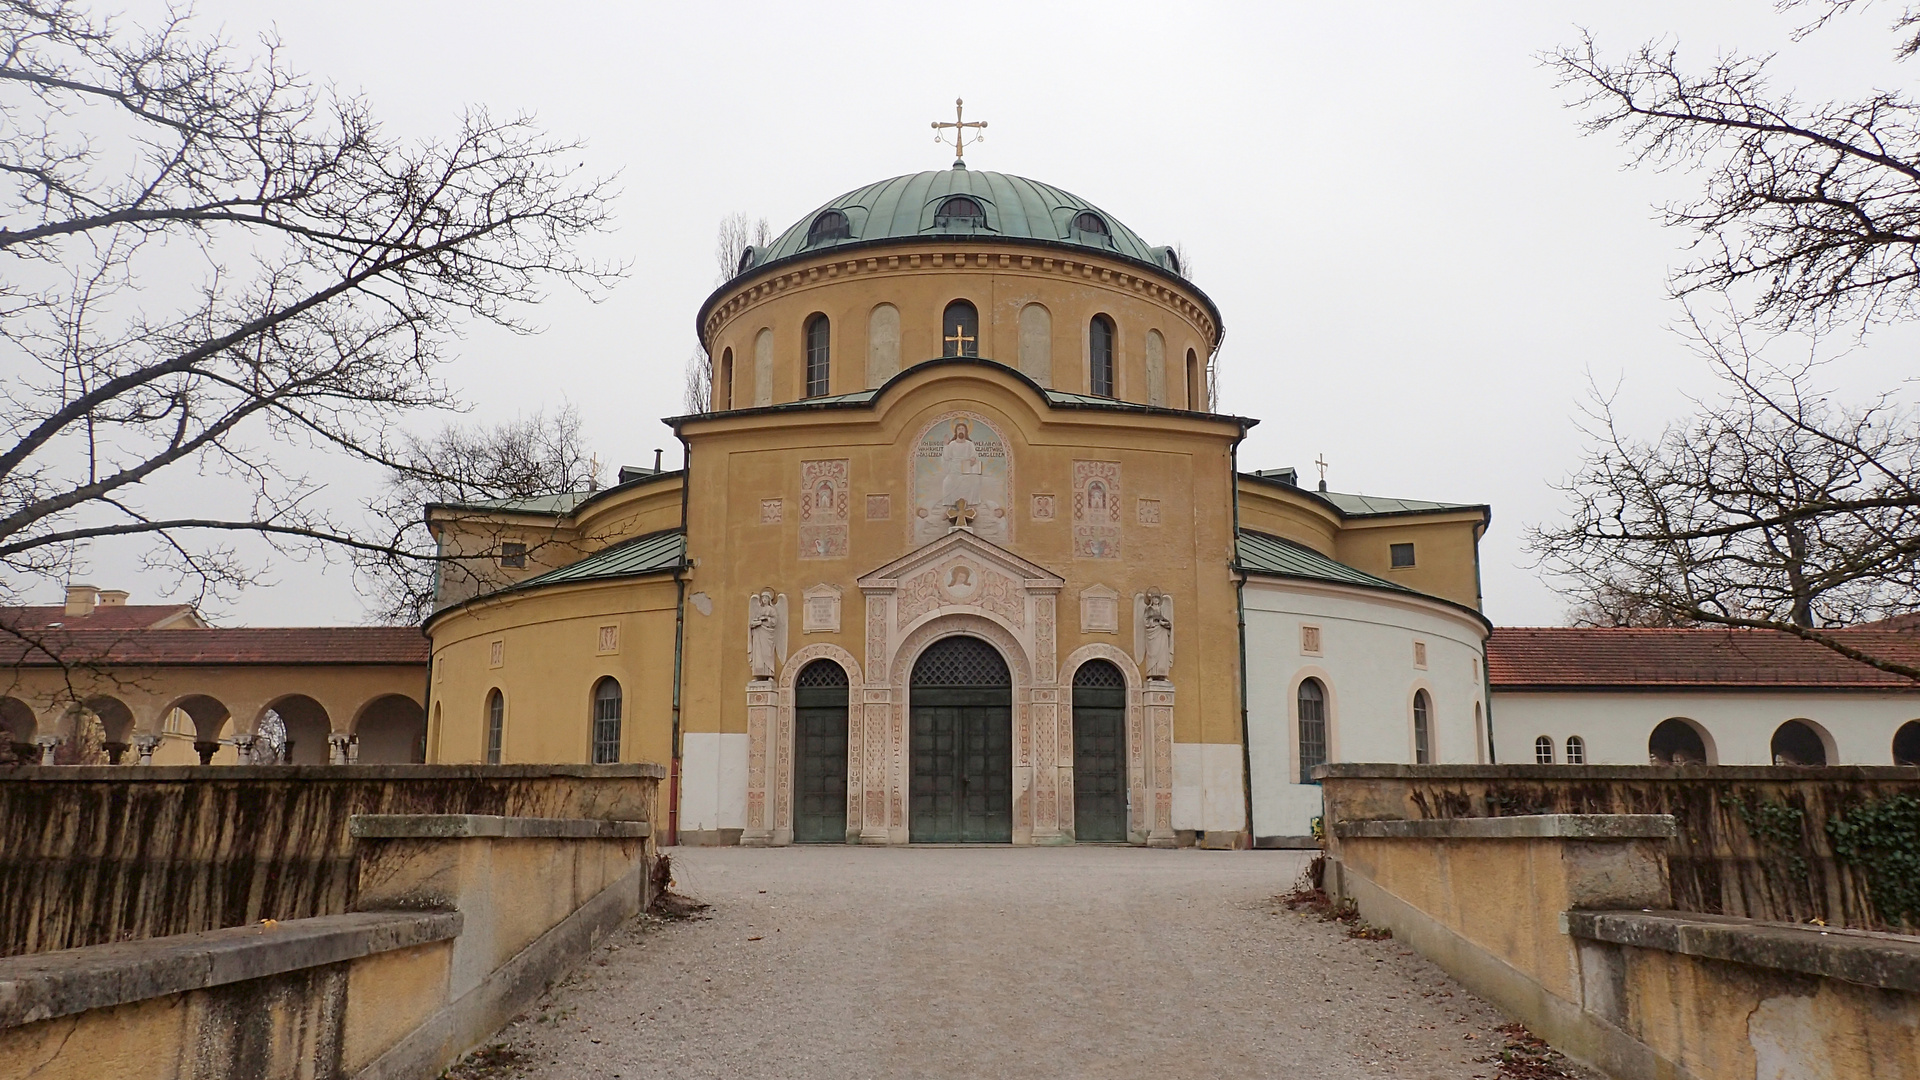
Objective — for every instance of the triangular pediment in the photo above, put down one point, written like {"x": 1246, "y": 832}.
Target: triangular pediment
{"x": 956, "y": 544}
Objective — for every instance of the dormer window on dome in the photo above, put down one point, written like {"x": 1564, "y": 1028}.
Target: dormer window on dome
{"x": 960, "y": 212}
{"x": 1088, "y": 226}
{"x": 829, "y": 226}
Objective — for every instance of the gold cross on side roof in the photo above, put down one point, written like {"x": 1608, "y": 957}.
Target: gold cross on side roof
{"x": 959, "y": 126}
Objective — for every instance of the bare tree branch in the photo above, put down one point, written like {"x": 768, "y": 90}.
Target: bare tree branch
{"x": 210, "y": 264}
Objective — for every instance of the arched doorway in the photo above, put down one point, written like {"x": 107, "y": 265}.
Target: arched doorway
{"x": 820, "y": 745}
{"x": 304, "y": 727}
{"x": 17, "y": 729}
{"x": 1099, "y": 753}
{"x": 1677, "y": 742}
{"x": 961, "y": 784}
{"x": 392, "y": 730}
{"x": 1796, "y": 742}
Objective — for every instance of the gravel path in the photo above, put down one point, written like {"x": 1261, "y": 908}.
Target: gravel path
{"x": 985, "y": 962}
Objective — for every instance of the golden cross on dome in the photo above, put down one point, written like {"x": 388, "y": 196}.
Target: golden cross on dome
{"x": 959, "y": 127}
{"x": 959, "y": 341}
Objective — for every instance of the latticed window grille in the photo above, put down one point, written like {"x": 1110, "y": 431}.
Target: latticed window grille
{"x": 1313, "y": 728}
{"x": 1543, "y": 751}
{"x": 821, "y": 673}
{"x": 1099, "y": 675}
{"x": 1422, "y": 728}
{"x": 960, "y": 212}
{"x": 1576, "y": 750}
{"x": 819, "y": 335}
{"x": 496, "y": 725}
{"x": 606, "y": 722}
{"x": 961, "y": 661}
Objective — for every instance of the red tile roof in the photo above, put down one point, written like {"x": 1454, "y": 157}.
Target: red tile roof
{"x": 279, "y": 645}
{"x": 104, "y": 616}
{"x": 1563, "y": 658}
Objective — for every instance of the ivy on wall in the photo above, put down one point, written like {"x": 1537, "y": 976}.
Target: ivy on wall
{"x": 1882, "y": 837}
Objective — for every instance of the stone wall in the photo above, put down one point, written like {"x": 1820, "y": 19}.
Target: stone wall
{"x": 1557, "y": 918}
{"x": 444, "y": 943}
{"x": 1750, "y": 841}
{"x": 95, "y": 855}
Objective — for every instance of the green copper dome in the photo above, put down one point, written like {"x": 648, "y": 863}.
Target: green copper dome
{"x": 934, "y": 204}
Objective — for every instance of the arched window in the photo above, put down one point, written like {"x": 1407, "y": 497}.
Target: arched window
{"x": 1422, "y": 728}
{"x": 1906, "y": 744}
{"x": 1100, "y": 357}
{"x": 606, "y": 721}
{"x": 1090, "y": 226}
{"x": 1313, "y": 728}
{"x": 1543, "y": 751}
{"x": 723, "y": 386}
{"x": 1196, "y": 399}
{"x": 746, "y": 260}
{"x": 960, "y": 212}
{"x": 1676, "y": 742}
{"x": 1796, "y": 742}
{"x": 828, "y": 227}
{"x": 960, "y": 330}
{"x": 819, "y": 335}
{"x": 1576, "y": 750}
{"x": 496, "y": 725}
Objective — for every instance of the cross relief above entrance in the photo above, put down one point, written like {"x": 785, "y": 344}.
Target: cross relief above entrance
{"x": 940, "y": 751}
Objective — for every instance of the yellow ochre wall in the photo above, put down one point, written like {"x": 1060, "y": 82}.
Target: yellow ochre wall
{"x": 1445, "y": 543}
{"x": 920, "y": 280}
{"x": 1183, "y": 461}
{"x": 550, "y": 660}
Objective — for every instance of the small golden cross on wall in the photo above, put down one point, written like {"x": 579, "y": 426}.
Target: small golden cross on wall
{"x": 959, "y": 127}
{"x": 959, "y": 341}
{"x": 961, "y": 515}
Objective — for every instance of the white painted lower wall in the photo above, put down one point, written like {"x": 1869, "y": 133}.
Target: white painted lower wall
{"x": 1738, "y": 725}
{"x": 1207, "y": 791}
{"x": 713, "y": 781}
{"x": 1366, "y": 661}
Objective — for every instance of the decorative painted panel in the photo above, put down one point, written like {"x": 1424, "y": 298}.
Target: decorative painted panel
{"x": 1096, "y": 510}
{"x": 823, "y": 509}
{"x": 961, "y": 457}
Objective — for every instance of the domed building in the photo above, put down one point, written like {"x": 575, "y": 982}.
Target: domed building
{"x": 963, "y": 553}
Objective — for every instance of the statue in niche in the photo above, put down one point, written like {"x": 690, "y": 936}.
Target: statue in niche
{"x": 766, "y": 630}
{"x": 1158, "y": 620}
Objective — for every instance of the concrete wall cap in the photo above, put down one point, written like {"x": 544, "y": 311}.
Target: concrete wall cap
{"x": 40, "y": 986}
{"x": 1865, "y": 957}
{"x": 198, "y": 773}
{"x": 452, "y": 826}
{"x": 1518, "y": 827}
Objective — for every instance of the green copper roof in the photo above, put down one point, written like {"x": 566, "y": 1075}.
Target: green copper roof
{"x": 642, "y": 555}
{"x": 1263, "y": 554}
{"x": 1364, "y": 505}
{"x": 1016, "y": 208}
{"x": 554, "y": 505}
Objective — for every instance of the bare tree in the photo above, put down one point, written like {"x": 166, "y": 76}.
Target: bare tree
{"x": 213, "y": 265}
{"x": 737, "y": 232}
{"x": 466, "y": 471}
{"x": 699, "y": 389}
{"x": 1772, "y": 508}
{"x": 1811, "y": 209}
{"x": 1775, "y": 507}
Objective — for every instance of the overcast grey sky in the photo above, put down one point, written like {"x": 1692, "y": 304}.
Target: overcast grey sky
{"x": 1419, "y": 258}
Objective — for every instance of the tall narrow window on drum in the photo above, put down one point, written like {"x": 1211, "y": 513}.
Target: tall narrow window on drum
{"x": 1100, "y": 357}
{"x": 496, "y": 725}
{"x": 1313, "y": 728}
{"x": 606, "y": 722}
{"x": 1422, "y": 728}
{"x": 819, "y": 334}
{"x": 960, "y": 330}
